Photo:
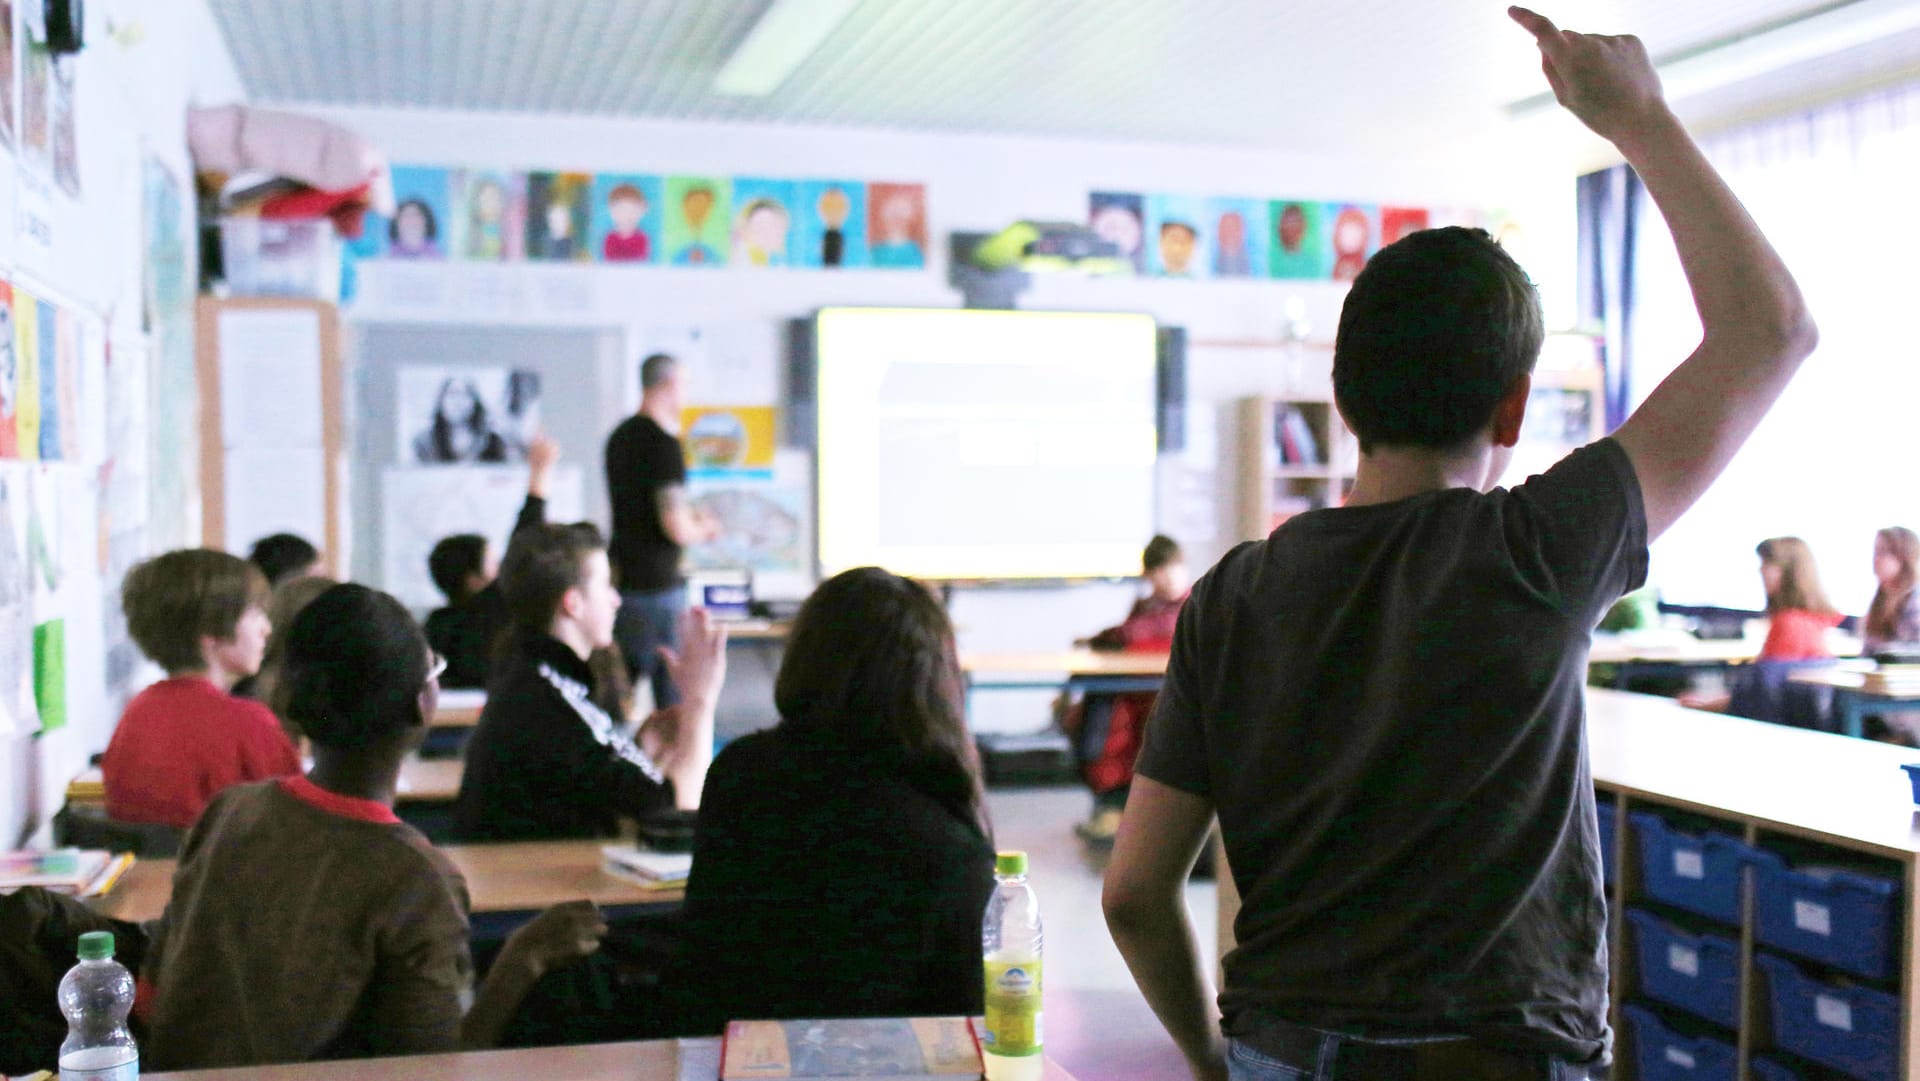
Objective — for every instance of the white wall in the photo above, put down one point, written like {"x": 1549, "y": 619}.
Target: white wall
{"x": 975, "y": 183}
{"x": 131, "y": 102}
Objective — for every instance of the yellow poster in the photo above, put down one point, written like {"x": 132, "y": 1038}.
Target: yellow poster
{"x": 26, "y": 359}
{"x": 729, "y": 440}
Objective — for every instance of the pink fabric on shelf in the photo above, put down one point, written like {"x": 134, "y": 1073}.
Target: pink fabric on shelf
{"x": 323, "y": 155}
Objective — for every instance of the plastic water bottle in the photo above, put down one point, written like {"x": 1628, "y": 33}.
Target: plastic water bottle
{"x": 96, "y": 996}
{"x": 1010, "y": 944}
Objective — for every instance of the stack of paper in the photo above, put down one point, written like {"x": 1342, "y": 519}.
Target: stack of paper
{"x": 659, "y": 870}
{"x": 88, "y": 787}
{"x": 87, "y": 873}
{"x": 1894, "y": 679}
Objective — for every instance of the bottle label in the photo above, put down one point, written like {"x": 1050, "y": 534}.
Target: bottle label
{"x": 1013, "y": 1008}
{"x": 113, "y": 1065}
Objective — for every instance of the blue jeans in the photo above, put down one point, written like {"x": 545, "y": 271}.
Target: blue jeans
{"x": 1246, "y": 1064}
{"x": 649, "y": 619}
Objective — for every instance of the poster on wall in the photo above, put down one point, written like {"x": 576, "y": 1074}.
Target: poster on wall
{"x": 466, "y": 416}
{"x": 1354, "y": 234}
{"x": 418, "y": 228}
{"x": 9, "y": 63}
{"x": 1300, "y": 248}
{"x": 763, "y": 223}
{"x": 17, "y": 709}
{"x": 765, "y": 525}
{"x": 1177, "y": 236}
{"x": 626, "y": 217}
{"x": 729, "y": 440}
{"x": 489, "y": 215}
{"x": 559, "y": 211}
{"x": 697, "y": 212}
{"x": 60, "y": 124}
{"x": 419, "y": 506}
{"x": 1238, "y": 237}
{"x": 174, "y": 406}
{"x": 48, "y": 571}
{"x": 897, "y": 225}
{"x": 26, "y": 366}
{"x": 723, "y": 363}
{"x": 830, "y": 232}
{"x": 36, "y": 88}
{"x": 1121, "y": 218}
{"x": 9, "y": 378}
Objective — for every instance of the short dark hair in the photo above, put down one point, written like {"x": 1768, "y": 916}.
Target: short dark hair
{"x": 1161, "y": 550}
{"x": 870, "y": 669}
{"x": 355, "y": 665}
{"x": 283, "y": 556}
{"x": 657, "y": 369}
{"x": 455, "y": 559}
{"x": 1182, "y": 226}
{"x": 175, "y": 599}
{"x": 1435, "y": 331}
{"x": 541, "y": 564}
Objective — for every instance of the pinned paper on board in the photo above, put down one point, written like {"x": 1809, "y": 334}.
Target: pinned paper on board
{"x": 729, "y": 440}
{"x": 17, "y": 710}
{"x": 467, "y": 416}
{"x": 26, "y": 363}
{"x": 765, "y": 524}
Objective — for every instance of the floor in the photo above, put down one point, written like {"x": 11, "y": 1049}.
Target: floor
{"x": 1097, "y": 1025}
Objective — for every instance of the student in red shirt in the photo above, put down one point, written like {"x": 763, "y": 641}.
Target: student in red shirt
{"x": 1798, "y": 612}
{"x": 201, "y": 615}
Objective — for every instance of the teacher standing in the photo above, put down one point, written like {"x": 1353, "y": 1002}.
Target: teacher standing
{"x": 653, "y": 522}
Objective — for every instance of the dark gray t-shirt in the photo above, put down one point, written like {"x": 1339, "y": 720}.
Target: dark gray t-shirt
{"x": 1385, "y": 705}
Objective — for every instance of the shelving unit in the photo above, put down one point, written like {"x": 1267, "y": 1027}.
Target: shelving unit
{"x": 1295, "y": 455}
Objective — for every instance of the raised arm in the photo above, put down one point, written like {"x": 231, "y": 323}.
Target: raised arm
{"x": 1756, "y": 326}
{"x": 683, "y": 523}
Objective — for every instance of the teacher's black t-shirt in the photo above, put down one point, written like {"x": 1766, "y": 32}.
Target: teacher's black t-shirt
{"x": 1386, "y": 705}
{"x": 641, "y": 460}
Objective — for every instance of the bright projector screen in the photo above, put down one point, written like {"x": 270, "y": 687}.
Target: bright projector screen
{"x": 985, "y": 445}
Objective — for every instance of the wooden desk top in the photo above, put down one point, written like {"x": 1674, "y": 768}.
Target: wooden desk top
{"x": 430, "y": 780}
{"x": 1076, "y": 662}
{"x": 1682, "y": 648}
{"x": 1828, "y": 787}
{"x": 523, "y": 877}
{"x": 653, "y": 1060}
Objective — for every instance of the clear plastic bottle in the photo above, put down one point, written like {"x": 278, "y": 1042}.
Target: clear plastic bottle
{"x": 96, "y": 996}
{"x": 1010, "y": 945}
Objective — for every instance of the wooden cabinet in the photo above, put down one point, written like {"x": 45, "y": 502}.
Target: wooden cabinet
{"x": 1295, "y": 455}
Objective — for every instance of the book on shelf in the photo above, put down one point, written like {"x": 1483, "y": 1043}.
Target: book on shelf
{"x": 867, "y": 1049}
{"x": 89, "y": 787}
{"x": 82, "y": 873}
{"x": 1293, "y": 434}
{"x": 649, "y": 868}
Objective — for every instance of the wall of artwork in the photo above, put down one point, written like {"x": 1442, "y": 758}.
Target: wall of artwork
{"x": 97, "y": 416}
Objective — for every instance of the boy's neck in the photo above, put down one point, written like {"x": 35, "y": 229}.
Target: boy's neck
{"x": 214, "y": 673}
{"x": 570, "y": 635}
{"x": 1390, "y": 474}
{"x": 372, "y": 774}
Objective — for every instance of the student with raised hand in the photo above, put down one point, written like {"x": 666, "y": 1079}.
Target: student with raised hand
{"x": 307, "y": 921}
{"x": 1383, "y": 702}
{"x": 842, "y": 861}
{"x": 545, "y": 761}
{"x": 201, "y": 615}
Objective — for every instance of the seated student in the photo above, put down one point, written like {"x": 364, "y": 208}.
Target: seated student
{"x": 545, "y": 761}
{"x": 307, "y": 921}
{"x": 1893, "y": 619}
{"x": 842, "y": 861}
{"x": 289, "y": 599}
{"x": 467, "y": 631}
{"x": 1106, "y": 730}
{"x": 283, "y": 556}
{"x": 199, "y": 614}
{"x": 1798, "y": 612}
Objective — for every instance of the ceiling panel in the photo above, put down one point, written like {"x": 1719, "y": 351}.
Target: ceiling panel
{"x": 1306, "y": 74}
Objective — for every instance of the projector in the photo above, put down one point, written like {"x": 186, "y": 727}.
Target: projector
{"x": 1050, "y": 245}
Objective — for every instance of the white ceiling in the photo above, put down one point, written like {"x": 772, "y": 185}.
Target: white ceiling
{"x": 1327, "y": 75}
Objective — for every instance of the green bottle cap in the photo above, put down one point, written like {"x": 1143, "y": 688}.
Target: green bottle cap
{"x": 1010, "y": 863}
{"x": 96, "y": 946}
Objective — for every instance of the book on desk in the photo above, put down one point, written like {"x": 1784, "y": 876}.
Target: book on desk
{"x": 654, "y": 870}
{"x": 72, "y": 871}
{"x": 869, "y": 1049}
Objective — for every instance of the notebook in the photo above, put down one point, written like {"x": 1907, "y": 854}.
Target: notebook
{"x": 661, "y": 869}
{"x": 870, "y": 1049}
{"x": 83, "y": 873}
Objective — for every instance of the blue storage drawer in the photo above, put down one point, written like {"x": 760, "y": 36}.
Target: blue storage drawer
{"x": 1605, "y": 809}
{"x": 1661, "y": 1054}
{"x": 1852, "y": 1029}
{"x": 1837, "y": 917}
{"x": 1767, "y": 1069}
{"x": 1697, "y": 872}
{"x": 1698, "y": 973}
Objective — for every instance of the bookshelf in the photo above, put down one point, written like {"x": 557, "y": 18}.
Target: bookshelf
{"x": 1295, "y": 455}
{"x": 1566, "y": 409}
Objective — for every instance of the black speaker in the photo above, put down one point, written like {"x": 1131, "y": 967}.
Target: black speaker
{"x": 802, "y": 416}
{"x": 1170, "y": 389}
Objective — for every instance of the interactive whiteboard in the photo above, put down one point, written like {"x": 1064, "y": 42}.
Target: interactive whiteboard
{"x": 985, "y": 445}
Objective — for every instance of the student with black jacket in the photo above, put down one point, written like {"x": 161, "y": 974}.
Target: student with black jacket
{"x": 545, "y": 761}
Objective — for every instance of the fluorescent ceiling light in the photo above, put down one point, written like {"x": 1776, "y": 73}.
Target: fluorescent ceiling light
{"x": 788, "y": 32}
{"x": 1726, "y": 61}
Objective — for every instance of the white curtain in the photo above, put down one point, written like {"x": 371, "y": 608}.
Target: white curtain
{"x": 1836, "y": 459}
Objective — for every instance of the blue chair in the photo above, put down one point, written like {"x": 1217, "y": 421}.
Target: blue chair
{"x": 1765, "y": 691}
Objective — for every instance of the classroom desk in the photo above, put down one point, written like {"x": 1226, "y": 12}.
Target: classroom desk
{"x": 1080, "y": 669}
{"x": 522, "y": 877}
{"x": 1637, "y": 654}
{"x": 1768, "y": 785}
{"x": 1853, "y": 700}
{"x": 651, "y": 1060}
{"x": 422, "y": 780}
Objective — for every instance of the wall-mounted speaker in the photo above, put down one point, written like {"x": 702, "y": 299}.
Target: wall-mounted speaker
{"x": 801, "y": 409}
{"x": 1170, "y": 389}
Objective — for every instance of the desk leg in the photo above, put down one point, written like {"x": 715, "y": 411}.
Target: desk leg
{"x": 1853, "y": 713}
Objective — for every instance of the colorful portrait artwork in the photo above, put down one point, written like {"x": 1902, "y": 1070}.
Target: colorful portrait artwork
{"x": 699, "y": 212}
{"x": 49, "y": 380}
{"x": 66, "y": 367}
{"x": 559, "y": 212}
{"x": 897, "y": 225}
{"x": 831, "y": 230}
{"x": 1177, "y": 234}
{"x": 763, "y": 222}
{"x": 418, "y": 228}
{"x": 1299, "y": 250}
{"x": 8, "y": 65}
{"x": 626, "y": 217}
{"x": 1238, "y": 248}
{"x": 9, "y": 378}
{"x": 1353, "y": 233}
{"x": 1121, "y": 217}
{"x": 26, "y": 369}
{"x": 489, "y": 215}
{"x": 1399, "y": 222}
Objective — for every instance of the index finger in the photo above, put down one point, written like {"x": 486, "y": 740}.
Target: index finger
{"x": 1541, "y": 27}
